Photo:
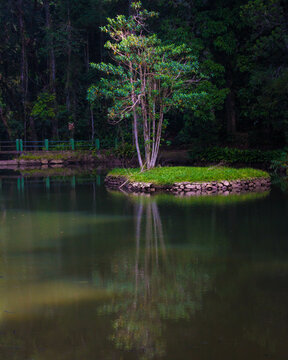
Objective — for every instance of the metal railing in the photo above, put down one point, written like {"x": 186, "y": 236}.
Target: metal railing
{"x": 20, "y": 145}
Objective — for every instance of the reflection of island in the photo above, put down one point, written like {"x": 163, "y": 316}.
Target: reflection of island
{"x": 156, "y": 284}
{"x": 217, "y": 199}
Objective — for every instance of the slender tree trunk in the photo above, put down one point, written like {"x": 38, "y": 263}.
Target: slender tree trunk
{"x": 135, "y": 122}
{"x": 154, "y": 121}
{"x": 146, "y": 135}
{"x": 135, "y": 133}
{"x": 158, "y": 138}
{"x": 146, "y": 129}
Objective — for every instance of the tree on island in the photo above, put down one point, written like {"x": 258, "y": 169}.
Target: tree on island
{"x": 146, "y": 80}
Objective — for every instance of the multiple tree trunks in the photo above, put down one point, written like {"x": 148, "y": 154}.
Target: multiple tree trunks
{"x": 189, "y": 188}
{"x": 153, "y": 77}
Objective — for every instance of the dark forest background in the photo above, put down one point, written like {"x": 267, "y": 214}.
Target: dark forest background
{"x": 46, "y": 47}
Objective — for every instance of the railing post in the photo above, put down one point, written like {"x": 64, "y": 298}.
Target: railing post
{"x": 72, "y": 143}
{"x": 97, "y": 144}
{"x": 17, "y": 145}
{"x": 21, "y": 145}
{"x": 46, "y": 144}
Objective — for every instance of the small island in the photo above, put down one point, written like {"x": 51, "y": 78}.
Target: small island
{"x": 189, "y": 180}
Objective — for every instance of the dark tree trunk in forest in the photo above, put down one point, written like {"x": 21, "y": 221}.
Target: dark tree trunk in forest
{"x": 230, "y": 106}
{"x": 90, "y": 108}
{"x": 23, "y": 62}
{"x": 87, "y": 53}
{"x": 51, "y": 63}
{"x": 32, "y": 57}
{"x": 5, "y": 123}
{"x": 231, "y": 113}
{"x": 32, "y": 130}
{"x": 92, "y": 123}
{"x": 68, "y": 73}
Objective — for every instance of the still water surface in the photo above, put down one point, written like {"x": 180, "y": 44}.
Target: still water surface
{"x": 90, "y": 274}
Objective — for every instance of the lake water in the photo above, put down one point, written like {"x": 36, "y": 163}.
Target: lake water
{"x": 86, "y": 273}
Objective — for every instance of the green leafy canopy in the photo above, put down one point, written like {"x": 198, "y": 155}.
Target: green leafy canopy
{"x": 136, "y": 52}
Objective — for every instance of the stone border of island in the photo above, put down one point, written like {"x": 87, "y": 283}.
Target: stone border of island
{"x": 192, "y": 188}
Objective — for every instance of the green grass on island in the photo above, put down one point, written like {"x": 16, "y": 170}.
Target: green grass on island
{"x": 171, "y": 175}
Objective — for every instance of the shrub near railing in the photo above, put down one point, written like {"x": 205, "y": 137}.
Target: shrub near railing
{"x": 84, "y": 145}
{"x": 234, "y": 156}
{"x": 66, "y": 145}
{"x": 125, "y": 151}
{"x": 59, "y": 146}
{"x": 280, "y": 163}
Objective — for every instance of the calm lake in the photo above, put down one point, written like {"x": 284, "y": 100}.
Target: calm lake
{"x": 86, "y": 273}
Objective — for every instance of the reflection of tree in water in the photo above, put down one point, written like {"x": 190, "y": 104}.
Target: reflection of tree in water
{"x": 155, "y": 285}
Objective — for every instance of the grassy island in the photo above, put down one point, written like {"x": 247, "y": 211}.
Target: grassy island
{"x": 171, "y": 175}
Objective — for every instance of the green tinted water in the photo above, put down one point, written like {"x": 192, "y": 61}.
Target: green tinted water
{"x": 91, "y": 274}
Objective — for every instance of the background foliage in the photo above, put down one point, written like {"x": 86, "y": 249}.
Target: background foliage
{"x": 46, "y": 47}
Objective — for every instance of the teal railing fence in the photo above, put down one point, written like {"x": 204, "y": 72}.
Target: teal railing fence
{"x": 20, "y": 145}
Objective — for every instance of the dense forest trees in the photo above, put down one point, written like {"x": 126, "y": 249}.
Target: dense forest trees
{"x": 46, "y": 47}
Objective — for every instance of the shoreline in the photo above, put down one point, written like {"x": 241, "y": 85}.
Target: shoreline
{"x": 59, "y": 160}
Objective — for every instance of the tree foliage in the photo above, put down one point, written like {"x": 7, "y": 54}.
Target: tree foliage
{"x": 149, "y": 79}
